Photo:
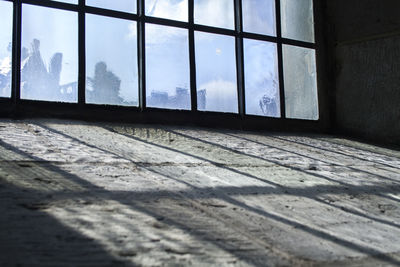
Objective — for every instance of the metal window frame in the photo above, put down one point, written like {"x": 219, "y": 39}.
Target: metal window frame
{"x": 16, "y": 107}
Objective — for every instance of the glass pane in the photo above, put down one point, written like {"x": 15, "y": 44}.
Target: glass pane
{"x": 261, "y": 78}
{"x": 300, "y": 82}
{"x": 216, "y": 72}
{"x": 298, "y": 20}
{"x": 6, "y": 15}
{"x": 68, "y": 1}
{"x": 259, "y": 16}
{"x": 214, "y": 13}
{"x": 167, "y": 67}
{"x": 168, "y": 9}
{"x": 49, "y": 59}
{"x": 118, "y": 5}
{"x": 111, "y": 61}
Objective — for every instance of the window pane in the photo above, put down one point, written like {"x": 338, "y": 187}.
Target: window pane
{"x": 300, "y": 83}
{"x": 298, "y": 20}
{"x": 259, "y": 16}
{"x": 6, "y": 15}
{"x": 111, "y": 61}
{"x": 214, "y": 13}
{"x": 68, "y": 1}
{"x": 216, "y": 72}
{"x": 118, "y": 5}
{"x": 168, "y": 9}
{"x": 167, "y": 67}
{"x": 261, "y": 78}
{"x": 49, "y": 59}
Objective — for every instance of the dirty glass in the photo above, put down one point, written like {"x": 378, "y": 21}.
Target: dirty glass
{"x": 259, "y": 16}
{"x": 49, "y": 55}
{"x": 6, "y": 15}
{"x": 298, "y": 20}
{"x": 118, "y": 5}
{"x": 111, "y": 61}
{"x": 214, "y": 13}
{"x": 167, "y": 67}
{"x": 168, "y": 9}
{"x": 216, "y": 72}
{"x": 300, "y": 80}
{"x": 261, "y": 78}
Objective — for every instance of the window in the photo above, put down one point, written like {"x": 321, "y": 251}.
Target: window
{"x": 49, "y": 54}
{"x": 167, "y": 67}
{"x": 111, "y": 61}
{"x": 6, "y": 12}
{"x": 253, "y": 58}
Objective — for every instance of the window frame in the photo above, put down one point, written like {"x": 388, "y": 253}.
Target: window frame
{"x": 82, "y": 110}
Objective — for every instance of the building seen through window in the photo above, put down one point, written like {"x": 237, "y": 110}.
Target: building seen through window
{"x": 160, "y": 57}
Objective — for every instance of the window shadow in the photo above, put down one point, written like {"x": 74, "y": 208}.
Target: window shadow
{"x": 29, "y": 235}
{"x": 224, "y": 194}
{"x": 297, "y": 225}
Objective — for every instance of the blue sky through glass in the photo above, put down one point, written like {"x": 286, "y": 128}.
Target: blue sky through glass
{"x": 261, "y": 78}
{"x": 167, "y": 67}
{"x": 68, "y": 1}
{"x": 167, "y": 9}
{"x": 216, "y": 71}
{"x": 113, "y": 42}
{"x": 259, "y": 16}
{"x": 119, "y": 5}
{"x": 49, "y": 61}
{"x": 216, "y": 13}
{"x": 6, "y": 9}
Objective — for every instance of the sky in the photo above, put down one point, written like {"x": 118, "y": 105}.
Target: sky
{"x": 110, "y": 40}
{"x": 167, "y": 53}
{"x": 5, "y": 39}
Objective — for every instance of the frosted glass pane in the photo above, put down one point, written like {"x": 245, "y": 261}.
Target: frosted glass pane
{"x": 300, "y": 79}
{"x": 261, "y": 78}
{"x": 259, "y": 16}
{"x": 111, "y": 61}
{"x": 118, "y": 5}
{"x": 214, "y": 13}
{"x": 167, "y": 67}
{"x": 6, "y": 15}
{"x": 216, "y": 72}
{"x": 168, "y": 9}
{"x": 49, "y": 56}
{"x": 298, "y": 20}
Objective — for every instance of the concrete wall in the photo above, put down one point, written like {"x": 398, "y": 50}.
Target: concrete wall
{"x": 367, "y": 55}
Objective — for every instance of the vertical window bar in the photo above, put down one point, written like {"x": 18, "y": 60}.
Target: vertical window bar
{"x": 16, "y": 54}
{"x": 280, "y": 57}
{"x": 141, "y": 54}
{"x": 81, "y": 53}
{"x": 193, "y": 85}
{"x": 239, "y": 56}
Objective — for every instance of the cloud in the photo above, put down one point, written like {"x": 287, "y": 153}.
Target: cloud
{"x": 169, "y": 9}
{"x": 214, "y": 13}
{"x": 259, "y": 16}
{"x": 261, "y": 67}
{"x": 221, "y": 95}
{"x": 5, "y": 65}
{"x": 132, "y": 31}
{"x": 161, "y": 35}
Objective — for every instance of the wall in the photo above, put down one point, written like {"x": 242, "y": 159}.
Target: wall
{"x": 366, "y": 35}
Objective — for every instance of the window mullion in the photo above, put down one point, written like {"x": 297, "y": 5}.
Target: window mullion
{"x": 239, "y": 56}
{"x": 16, "y": 54}
{"x": 280, "y": 57}
{"x": 82, "y": 53}
{"x": 193, "y": 83}
{"x": 141, "y": 54}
